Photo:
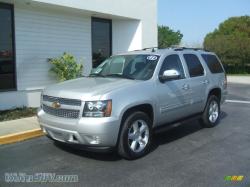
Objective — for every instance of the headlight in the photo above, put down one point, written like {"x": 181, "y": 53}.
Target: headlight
{"x": 97, "y": 108}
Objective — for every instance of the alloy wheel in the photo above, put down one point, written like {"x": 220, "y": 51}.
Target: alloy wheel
{"x": 213, "y": 111}
{"x": 138, "y": 136}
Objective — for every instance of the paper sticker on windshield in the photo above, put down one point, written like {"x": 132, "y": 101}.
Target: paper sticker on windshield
{"x": 152, "y": 57}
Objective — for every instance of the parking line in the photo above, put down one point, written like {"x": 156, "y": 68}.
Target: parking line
{"x": 238, "y": 101}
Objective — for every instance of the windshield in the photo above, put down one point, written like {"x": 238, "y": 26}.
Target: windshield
{"x": 138, "y": 67}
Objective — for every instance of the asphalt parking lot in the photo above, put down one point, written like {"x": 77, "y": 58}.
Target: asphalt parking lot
{"x": 187, "y": 155}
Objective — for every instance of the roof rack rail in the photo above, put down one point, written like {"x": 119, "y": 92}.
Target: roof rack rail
{"x": 189, "y": 48}
{"x": 144, "y": 49}
{"x": 175, "y": 48}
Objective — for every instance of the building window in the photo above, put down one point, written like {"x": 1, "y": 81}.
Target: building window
{"x": 7, "y": 56}
{"x": 101, "y": 40}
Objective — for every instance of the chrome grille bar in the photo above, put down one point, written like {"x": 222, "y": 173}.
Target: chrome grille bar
{"x": 61, "y": 112}
{"x": 63, "y": 101}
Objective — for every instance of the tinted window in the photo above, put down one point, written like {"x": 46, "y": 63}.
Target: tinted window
{"x": 172, "y": 62}
{"x": 194, "y": 65}
{"x": 101, "y": 40}
{"x": 7, "y": 61}
{"x": 212, "y": 63}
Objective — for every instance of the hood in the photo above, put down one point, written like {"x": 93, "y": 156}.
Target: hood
{"x": 87, "y": 87}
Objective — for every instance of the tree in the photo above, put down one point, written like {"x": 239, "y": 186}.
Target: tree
{"x": 168, "y": 37}
{"x": 231, "y": 41}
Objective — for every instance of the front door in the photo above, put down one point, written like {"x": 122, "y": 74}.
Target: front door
{"x": 173, "y": 95}
{"x": 101, "y": 40}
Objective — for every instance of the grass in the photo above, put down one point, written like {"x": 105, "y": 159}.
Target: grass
{"x": 17, "y": 113}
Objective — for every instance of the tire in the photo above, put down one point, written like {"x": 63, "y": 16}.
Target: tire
{"x": 135, "y": 144}
{"x": 211, "y": 114}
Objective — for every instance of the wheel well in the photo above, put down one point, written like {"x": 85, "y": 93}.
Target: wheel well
{"x": 146, "y": 108}
{"x": 216, "y": 92}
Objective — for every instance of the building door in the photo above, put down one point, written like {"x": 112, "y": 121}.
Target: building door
{"x": 7, "y": 57}
{"x": 101, "y": 40}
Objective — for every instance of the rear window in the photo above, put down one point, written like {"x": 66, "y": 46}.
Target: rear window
{"x": 212, "y": 63}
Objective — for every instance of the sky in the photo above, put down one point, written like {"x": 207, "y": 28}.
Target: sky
{"x": 196, "y": 18}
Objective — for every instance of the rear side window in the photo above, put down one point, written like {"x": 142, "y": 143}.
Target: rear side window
{"x": 194, "y": 65}
{"x": 212, "y": 63}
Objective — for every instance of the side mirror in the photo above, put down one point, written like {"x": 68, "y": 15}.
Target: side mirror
{"x": 169, "y": 75}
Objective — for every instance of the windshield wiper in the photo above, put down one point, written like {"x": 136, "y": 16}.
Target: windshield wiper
{"x": 120, "y": 76}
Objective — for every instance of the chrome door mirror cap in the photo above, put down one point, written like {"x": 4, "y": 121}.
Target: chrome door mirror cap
{"x": 169, "y": 75}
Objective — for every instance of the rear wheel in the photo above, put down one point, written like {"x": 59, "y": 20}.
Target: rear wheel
{"x": 211, "y": 114}
{"x": 135, "y": 137}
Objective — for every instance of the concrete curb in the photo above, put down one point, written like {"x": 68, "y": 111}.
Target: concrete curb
{"x": 20, "y": 136}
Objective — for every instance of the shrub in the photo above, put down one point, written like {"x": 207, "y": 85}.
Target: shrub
{"x": 65, "y": 67}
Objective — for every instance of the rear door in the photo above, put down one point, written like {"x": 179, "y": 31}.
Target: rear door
{"x": 197, "y": 82}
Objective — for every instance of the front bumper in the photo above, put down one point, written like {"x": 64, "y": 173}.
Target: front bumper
{"x": 96, "y": 133}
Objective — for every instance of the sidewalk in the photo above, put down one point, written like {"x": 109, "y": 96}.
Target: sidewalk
{"x": 238, "y": 79}
{"x": 19, "y": 130}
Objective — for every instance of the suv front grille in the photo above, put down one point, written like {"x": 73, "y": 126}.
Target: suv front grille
{"x": 60, "y": 112}
{"x": 63, "y": 101}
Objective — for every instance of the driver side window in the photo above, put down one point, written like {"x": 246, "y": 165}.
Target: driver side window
{"x": 173, "y": 62}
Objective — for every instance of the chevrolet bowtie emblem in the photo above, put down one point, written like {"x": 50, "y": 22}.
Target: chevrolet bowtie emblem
{"x": 56, "y": 104}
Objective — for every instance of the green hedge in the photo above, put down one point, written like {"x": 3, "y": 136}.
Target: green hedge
{"x": 236, "y": 69}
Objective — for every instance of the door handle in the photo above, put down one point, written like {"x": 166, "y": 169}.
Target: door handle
{"x": 205, "y": 82}
{"x": 185, "y": 87}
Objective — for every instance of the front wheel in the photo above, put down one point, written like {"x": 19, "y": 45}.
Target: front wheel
{"x": 135, "y": 137}
{"x": 211, "y": 114}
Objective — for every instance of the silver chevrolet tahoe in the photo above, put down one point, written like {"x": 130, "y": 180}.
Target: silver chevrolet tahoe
{"x": 129, "y": 95}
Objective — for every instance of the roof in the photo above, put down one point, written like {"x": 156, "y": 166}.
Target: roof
{"x": 156, "y": 51}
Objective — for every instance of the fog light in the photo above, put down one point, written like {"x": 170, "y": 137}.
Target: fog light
{"x": 93, "y": 139}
